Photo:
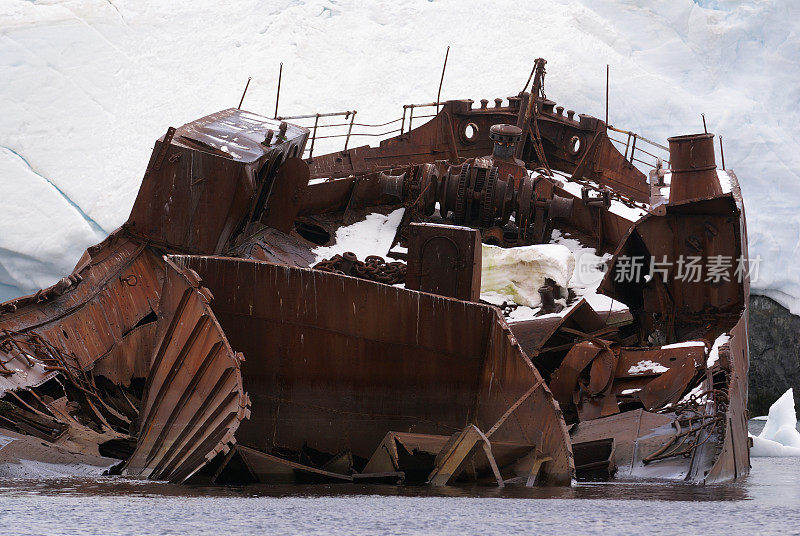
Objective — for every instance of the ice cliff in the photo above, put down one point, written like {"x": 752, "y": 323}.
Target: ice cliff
{"x": 88, "y": 85}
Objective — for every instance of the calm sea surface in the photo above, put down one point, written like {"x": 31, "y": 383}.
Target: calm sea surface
{"x": 766, "y": 502}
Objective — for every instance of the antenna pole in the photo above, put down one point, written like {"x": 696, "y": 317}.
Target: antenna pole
{"x": 278, "y": 95}
{"x": 705, "y": 129}
{"x": 244, "y": 92}
{"x": 607, "y": 76}
{"x": 441, "y": 80}
{"x": 722, "y": 153}
{"x": 533, "y": 70}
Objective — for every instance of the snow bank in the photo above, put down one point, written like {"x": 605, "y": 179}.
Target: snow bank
{"x": 517, "y": 273}
{"x": 779, "y": 436}
{"x": 89, "y": 85}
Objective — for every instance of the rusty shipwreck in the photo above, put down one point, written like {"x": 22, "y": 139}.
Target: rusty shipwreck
{"x": 228, "y": 332}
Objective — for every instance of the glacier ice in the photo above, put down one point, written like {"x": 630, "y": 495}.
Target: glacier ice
{"x": 88, "y": 85}
{"x": 32, "y": 255}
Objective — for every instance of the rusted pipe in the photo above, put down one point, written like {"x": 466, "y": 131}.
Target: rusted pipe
{"x": 313, "y": 137}
{"x": 441, "y": 80}
{"x": 607, "y": 75}
{"x": 349, "y": 129}
{"x": 278, "y": 93}
{"x": 247, "y": 85}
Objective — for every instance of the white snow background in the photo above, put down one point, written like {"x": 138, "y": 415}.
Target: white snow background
{"x": 87, "y": 86}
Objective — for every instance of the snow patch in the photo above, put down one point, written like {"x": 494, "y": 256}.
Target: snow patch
{"x": 370, "y": 236}
{"x": 713, "y": 355}
{"x": 647, "y": 366}
{"x": 724, "y": 181}
{"x": 617, "y": 207}
{"x": 590, "y": 269}
{"x": 42, "y": 234}
{"x": 686, "y": 344}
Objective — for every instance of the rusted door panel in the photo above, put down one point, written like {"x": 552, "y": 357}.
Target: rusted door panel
{"x": 444, "y": 260}
{"x": 434, "y": 254}
{"x": 338, "y": 362}
{"x": 130, "y": 358}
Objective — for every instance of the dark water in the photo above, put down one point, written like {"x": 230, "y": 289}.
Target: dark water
{"x": 766, "y": 502}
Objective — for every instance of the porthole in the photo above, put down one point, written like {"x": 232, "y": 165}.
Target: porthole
{"x": 470, "y": 132}
{"x": 575, "y": 145}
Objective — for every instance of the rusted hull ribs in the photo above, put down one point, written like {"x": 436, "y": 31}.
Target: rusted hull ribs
{"x": 227, "y": 333}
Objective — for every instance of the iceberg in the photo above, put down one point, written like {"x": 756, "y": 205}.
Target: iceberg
{"x": 779, "y": 436}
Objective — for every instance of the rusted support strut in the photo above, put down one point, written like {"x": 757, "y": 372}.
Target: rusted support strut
{"x": 454, "y": 459}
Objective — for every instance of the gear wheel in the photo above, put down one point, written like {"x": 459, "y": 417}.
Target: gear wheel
{"x": 525, "y": 200}
{"x": 487, "y": 209}
{"x": 461, "y": 207}
{"x": 475, "y": 186}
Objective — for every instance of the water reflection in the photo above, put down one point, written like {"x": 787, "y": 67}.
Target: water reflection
{"x": 117, "y": 486}
{"x": 771, "y": 479}
{"x": 767, "y": 501}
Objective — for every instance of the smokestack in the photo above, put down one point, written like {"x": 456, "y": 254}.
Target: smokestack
{"x": 694, "y": 170}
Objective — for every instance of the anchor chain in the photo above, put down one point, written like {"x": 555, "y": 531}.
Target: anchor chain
{"x": 373, "y": 268}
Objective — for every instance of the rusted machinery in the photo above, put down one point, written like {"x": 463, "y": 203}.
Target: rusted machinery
{"x": 220, "y": 336}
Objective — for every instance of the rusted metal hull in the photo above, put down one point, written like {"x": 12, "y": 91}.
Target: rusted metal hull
{"x": 327, "y": 353}
{"x": 167, "y": 349}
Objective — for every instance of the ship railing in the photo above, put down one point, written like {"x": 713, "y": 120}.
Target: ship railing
{"x": 332, "y": 125}
{"x": 636, "y": 153}
{"x": 636, "y": 148}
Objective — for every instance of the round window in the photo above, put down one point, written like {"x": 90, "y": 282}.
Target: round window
{"x": 469, "y": 134}
{"x": 575, "y": 145}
